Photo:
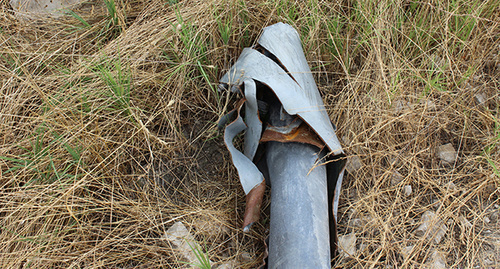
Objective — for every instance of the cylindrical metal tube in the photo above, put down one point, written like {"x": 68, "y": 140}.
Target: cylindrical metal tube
{"x": 299, "y": 235}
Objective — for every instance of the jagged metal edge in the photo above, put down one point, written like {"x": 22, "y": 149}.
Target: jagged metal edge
{"x": 249, "y": 174}
{"x": 254, "y": 125}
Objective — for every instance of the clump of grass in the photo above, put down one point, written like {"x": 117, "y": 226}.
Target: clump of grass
{"x": 108, "y": 136}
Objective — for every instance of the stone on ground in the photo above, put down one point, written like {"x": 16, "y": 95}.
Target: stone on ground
{"x": 42, "y": 8}
{"x": 432, "y": 227}
{"x": 347, "y": 244}
{"x": 438, "y": 261}
{"x": 184, "y": 242}
{"x": 447, "y": 153}
{"x": 354, "y": 164}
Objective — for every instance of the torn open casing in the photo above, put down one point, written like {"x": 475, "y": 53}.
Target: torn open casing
{"x": 276, "y": 70}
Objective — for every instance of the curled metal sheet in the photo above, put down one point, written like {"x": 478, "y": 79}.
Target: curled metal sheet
{"x": 253, "y": 205}
{"x": 277, "y": 64}
{"x": 289, "y": 77}
{"x": 249, "y": 174}
{"x": 253, "y": 132}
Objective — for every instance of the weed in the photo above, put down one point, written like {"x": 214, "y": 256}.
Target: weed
{"x": 84, "y": 23}
{"x": 117, "y": 79}
{"x": 202, "y": 257}
{"x": 113, "y": 15}
{"x": 39, "y": 160}
{"x": 193, "y": 44}
{"x": 225, "y": 30}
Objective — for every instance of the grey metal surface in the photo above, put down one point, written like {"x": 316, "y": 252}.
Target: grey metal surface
{"x": 254, "y": 125}
{"x": 249, "y": 174}
{"x": 304, "y": 194}
{"x": 338, "y": 186}
{"x": 299, "y": 232}
{"x": 299, "y": 95}
{"x": 293, "y": 59}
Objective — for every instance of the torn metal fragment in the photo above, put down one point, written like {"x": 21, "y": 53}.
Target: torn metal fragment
{"x": 253, "y": 205}
{"x": 294, "y": 87}
{"x": 252, "y": 120}
{"x": 249, "y": 174}
{"x": 276, "y": 82}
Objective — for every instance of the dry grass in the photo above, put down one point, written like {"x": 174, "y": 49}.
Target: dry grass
{"x": 108, "y": 138}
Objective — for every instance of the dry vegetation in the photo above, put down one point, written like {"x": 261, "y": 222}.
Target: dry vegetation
{"x": 108, "y": 136}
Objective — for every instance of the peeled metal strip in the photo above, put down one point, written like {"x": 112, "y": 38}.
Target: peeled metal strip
{"x": 300, "y": 134}
{"x": 278, "y": 62}
{"x": 249, "y": 174}
{"x": 254, "y": 130}
{"x": 338, "y": 186}
{"x": 253, "y": 205}
{"x": 292, "y": 58}
{"x": 225, "y": 119}
{"x": 295, "y": 100}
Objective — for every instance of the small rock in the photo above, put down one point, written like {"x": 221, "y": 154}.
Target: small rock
{"x": 42, "y": 8}
{"x": 466, "y": 223}
{"x": 394, "y": 158}
{"x": 396, "y": 178}
{"x": 438, "y": 61}
{"x": 406, "y": 251}
{"x": 438, "y": 260}
{"x": 356, "y": 223}
{"x": 437, "y": 229}
{"x": 431, "y": 106}
{"x": 487, "y": 220}
{"x": 480, "y": 98}
{"x": 494, "y": 216}
{"x": 246, "y": 257}
{"x": 400, "y": 105}
{"x": 436, "y": 203}
{"x": 209, "y": 227}
{"x": 450, "y": 186}
{"x": 183, "y": 241}
{"x": 354, "y": 164}
{"x": 447, "y": 153}
{"x": 407, "y": 190}
{"x": 352, "y": 194}
{"x": 347, "y": 244}
{"x": 488, "y": 261}
{"x": 346, "y": 140}
{"x": 352, "y": 213}
{"x": 228, "y": 265}
{"x": 363, "y": 247}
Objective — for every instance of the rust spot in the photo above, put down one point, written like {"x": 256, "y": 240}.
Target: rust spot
{"x": 292, "y": 135}
{"x": 302, "y": 134}
{"x": 253, "y": 204}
